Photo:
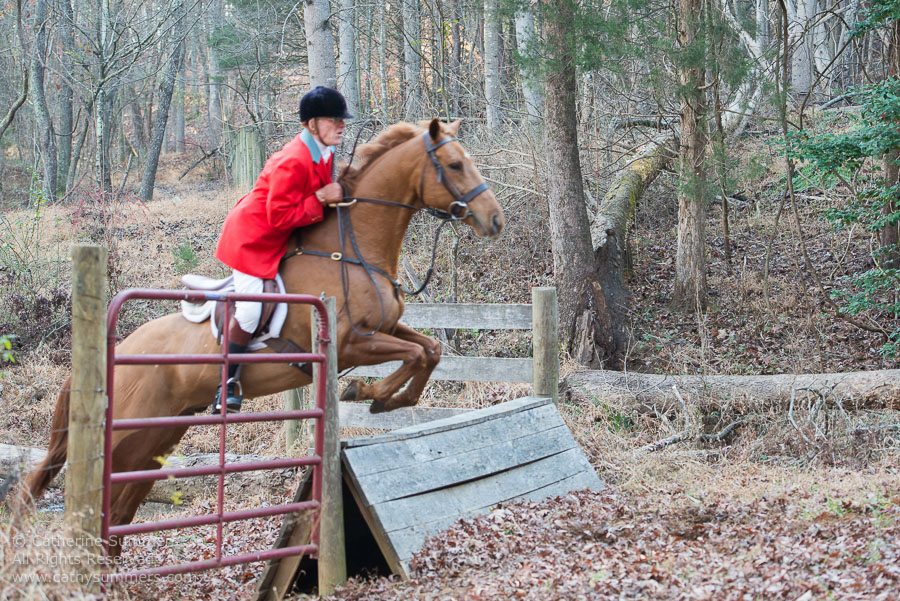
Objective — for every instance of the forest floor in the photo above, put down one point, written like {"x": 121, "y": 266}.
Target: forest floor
{"x": 751, "y": 518}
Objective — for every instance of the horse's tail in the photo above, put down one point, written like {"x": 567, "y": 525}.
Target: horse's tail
{"x": 39, "y": 479}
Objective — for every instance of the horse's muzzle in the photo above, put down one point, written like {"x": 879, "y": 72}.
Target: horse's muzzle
{"x": 497, "y": 222}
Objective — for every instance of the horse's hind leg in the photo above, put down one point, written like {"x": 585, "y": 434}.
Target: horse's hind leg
{"x": 39, "y": 479}
{"x": 419, "y": 353}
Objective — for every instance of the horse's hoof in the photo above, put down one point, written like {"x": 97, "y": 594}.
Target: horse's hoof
{"x": 351, "y": 392}
{"x": 377, "y": 407}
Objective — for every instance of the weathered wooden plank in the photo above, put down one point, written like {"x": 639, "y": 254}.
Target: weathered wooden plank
{"x": 396, "y": 514}
{"x": 462, "y": 420}
{"x": 400, "y": 455}
{"x": 463, "y": 465}
{"x": 467, "y": 316}
{"x": 357, "y": 415}
{"x": 463, "y": 369}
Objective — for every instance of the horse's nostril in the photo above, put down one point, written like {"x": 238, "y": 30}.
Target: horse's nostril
{"x": 497, "y": 223}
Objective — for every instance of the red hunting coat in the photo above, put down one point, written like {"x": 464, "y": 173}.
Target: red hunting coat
{"x": 257, "y": 230}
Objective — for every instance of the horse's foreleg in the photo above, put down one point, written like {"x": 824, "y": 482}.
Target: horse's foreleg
{"x": 410, "y": 395}
{"x": 418, "y": 353}
{"x": 125, "y": 501}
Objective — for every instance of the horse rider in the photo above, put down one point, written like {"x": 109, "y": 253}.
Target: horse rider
{"x": 290, "y": 192}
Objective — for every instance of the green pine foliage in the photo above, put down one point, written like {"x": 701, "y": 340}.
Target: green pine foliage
{"x": 874, "y": 134}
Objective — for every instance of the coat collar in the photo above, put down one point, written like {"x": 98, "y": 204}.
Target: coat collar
{"x": 313, "y": 146}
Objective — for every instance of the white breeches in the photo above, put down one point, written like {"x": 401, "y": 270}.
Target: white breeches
{"x": 247, "y": 313}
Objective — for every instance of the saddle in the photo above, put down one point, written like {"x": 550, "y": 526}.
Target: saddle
{"x": 205, "y": 284}
{"x": 270, "y": 321}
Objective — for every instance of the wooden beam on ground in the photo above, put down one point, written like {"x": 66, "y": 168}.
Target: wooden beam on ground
{"x": 879, "y": 389}
{"x": 15, "y": 459}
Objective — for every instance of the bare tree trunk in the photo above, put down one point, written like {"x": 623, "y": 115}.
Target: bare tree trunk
{"x": 7, "y": 119}
{"x": 102, "y": 109}
{"x": 762, "y": 24}
{"x": 214, "y": 95}
{"x": 382, "y": 61}
{"x": 412, "y": 62}
{"x": 455, "y": 55}
{"x": 179, "y": 110}
{"x": 169, "y": 137}
{"x": 79, "y": 146}
{"x": 690, "y": 258}
{"x": 585, "y": 323}
{"x": 101, "y": 101}
{"x": 890, "y": 233}
{"x": 348, "y": 71}
{"x": 319, "y": 43}
{"x": 801, "y": 59}
{"x": 136, "y": 120}
{"x": 162, "y": 112}
{"x": 66, "y": 125}
{"x": 46, "y": 135}
{"x": 848, "y": 60}
{"x": 531, "y": 90}
{"x": 492, "y": 89}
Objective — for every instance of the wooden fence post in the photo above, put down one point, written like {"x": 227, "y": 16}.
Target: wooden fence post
{"x": 545, "y": 342}
{"x": 293, "y": 401}
{"x": 248, "y": 157}
{"x": 332, "y": 553}
{"x": 87, "y": 405}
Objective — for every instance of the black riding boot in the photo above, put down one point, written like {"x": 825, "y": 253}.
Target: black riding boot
{"x": 233, "y": 391}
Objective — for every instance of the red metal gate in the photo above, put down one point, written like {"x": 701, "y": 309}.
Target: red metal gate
{"x": 220, "y": 517}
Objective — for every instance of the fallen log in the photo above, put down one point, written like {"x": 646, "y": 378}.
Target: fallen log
{"x": 649, "y": 393}
{"x": 609, "y": 239}
{"x": 15, "y": 459}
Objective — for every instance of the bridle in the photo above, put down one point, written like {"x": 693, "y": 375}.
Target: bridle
{"x": 460, "y": 200}
{"x": 458, "y": 210}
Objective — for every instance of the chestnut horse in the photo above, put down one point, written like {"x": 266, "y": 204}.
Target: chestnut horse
{"x": 420, "y": 167}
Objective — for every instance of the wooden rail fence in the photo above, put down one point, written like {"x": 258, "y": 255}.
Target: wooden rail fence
{"x": 541, "y": 369}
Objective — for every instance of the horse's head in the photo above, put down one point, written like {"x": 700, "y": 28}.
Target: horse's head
{"x": 451, "y": 182}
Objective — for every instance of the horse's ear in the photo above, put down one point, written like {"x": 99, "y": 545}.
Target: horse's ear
{"x": 434, "y": 129}
{"x": 453, "y": 128}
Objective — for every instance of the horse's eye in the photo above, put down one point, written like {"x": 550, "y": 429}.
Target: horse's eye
{"x": 457, "y": 166}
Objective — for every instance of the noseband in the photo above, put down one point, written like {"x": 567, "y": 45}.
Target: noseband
{"x": 456, "y": 211}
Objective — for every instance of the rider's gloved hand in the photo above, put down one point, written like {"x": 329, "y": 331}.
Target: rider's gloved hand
{"x": 330, "y": 194}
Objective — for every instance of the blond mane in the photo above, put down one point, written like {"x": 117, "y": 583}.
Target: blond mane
{"x": 367, "y": 153}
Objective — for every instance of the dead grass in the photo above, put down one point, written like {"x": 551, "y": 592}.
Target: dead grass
{"x": 41, "y": 560}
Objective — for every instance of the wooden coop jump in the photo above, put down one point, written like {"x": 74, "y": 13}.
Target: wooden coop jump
{"x": 420, "y": 478}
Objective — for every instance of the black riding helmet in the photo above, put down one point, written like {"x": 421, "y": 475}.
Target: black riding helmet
{"x": 323, "y": 102}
